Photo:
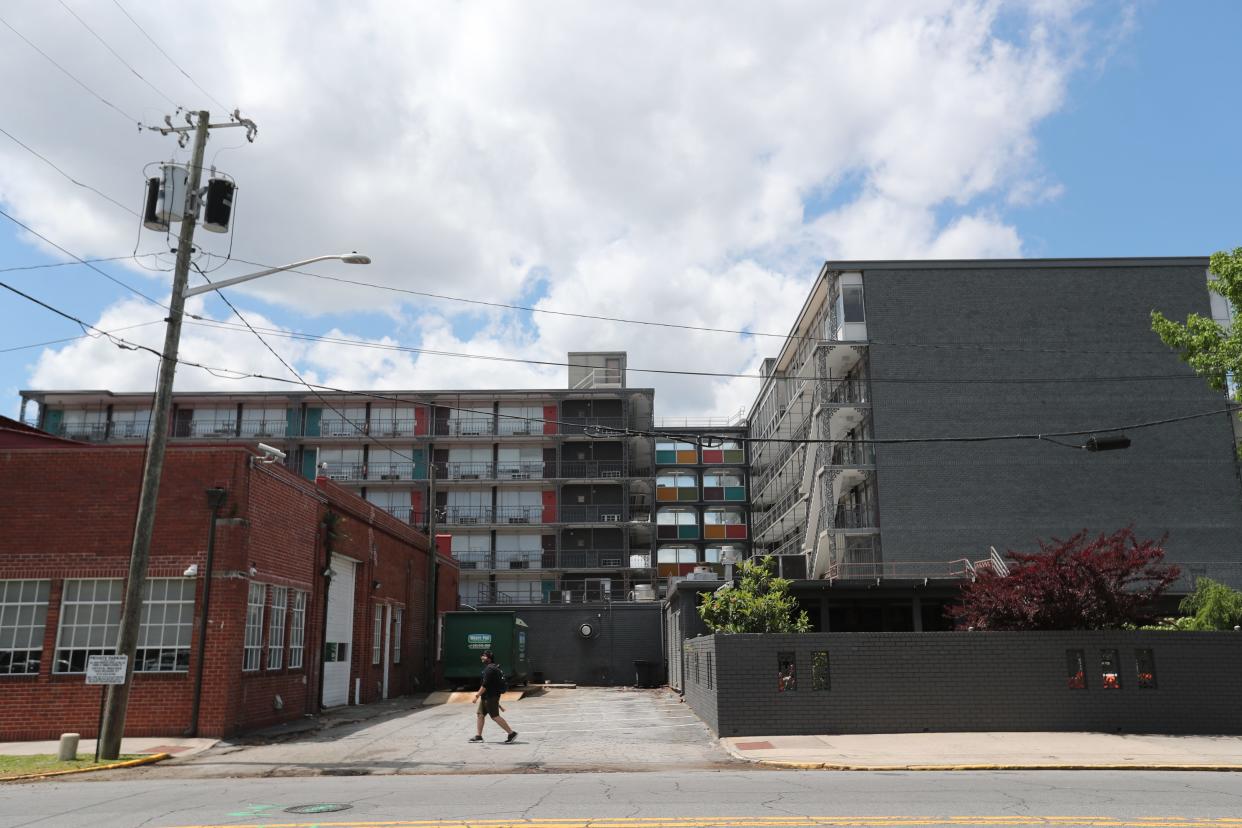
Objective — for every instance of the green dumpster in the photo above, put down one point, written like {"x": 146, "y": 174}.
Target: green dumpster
{"x": 466, "y": 635}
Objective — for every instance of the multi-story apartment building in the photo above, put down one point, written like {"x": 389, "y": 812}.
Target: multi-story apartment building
{"x": 883, "y": 352}
{"x": 547, "y": 498}
{"x": 702, "y": 505}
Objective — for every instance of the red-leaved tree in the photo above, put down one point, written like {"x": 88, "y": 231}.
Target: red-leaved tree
{"x": 1077, "y": 584}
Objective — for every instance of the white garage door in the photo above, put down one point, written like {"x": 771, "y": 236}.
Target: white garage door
{"x": 340, "y": 633}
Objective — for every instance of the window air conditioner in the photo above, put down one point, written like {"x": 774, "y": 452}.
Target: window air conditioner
{"x": 519, "y": 520}
{"x": 518, "y": 564}
{"x": 464, "y": 519}
{"x": 610, "y": 518}
{"x": 609, "y": 561}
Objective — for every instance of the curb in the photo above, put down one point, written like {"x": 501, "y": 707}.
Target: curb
{"x": 131, "y": 763}
{"x": 832, "y": 766}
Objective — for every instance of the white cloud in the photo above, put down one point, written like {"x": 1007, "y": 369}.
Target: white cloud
{"x": 651, "y": 160}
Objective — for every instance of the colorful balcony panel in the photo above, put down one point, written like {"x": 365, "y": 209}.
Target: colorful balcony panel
{"x": 669, "y": 532}
{"x": 724, "y": 493}
{"x": 669, "y": 494}
{"x": 731, "y": 531}
{"x": 723, "y": 456}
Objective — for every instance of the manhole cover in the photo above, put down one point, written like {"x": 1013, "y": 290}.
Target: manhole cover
{"x": 318, "y": 808}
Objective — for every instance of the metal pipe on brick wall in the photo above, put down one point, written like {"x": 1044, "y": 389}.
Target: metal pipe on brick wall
{"x": 215, "y": 499}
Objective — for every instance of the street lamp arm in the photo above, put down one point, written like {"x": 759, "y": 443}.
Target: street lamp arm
{"x": 348, "y": 258}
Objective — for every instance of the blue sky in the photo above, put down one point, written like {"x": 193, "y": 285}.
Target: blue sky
{"x": 1139, "y": 147}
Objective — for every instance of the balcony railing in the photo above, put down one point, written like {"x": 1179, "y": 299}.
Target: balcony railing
{"x": 343, "y": 471}
{"x": 264, "y": 427}
{"x": 392, "y": 471}
{"x": 606, "y": 513}
{"x": 519, "y": 470}
{"x": 508, "y": 426}
{"x": 205, "y": 429}
{"x": 394, "y": 428}
{"x": 593, "y": 469}
{"x": 586, "y": 425}
{"x": 335, "y": 427}
{"x": 468, "y": 427}
{"x": 860, "y": 517}
{"x": 848, "y": 392}
{"x": 506, "y": 560}
{"x": 465, "y": 470}
{"x": 535, "y": 594}
{"x": 92, "y": 432}
{"x": 852, "y": 454}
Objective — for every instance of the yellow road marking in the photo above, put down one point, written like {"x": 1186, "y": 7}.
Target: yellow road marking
{"x": 888, "y": 821}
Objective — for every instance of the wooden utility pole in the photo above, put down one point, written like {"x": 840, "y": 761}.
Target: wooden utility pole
{"x": 157, "y": 441}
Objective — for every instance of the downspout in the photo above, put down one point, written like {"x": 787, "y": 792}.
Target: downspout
{"x": 215, "y": 499}
{"x": 330, "y": 520}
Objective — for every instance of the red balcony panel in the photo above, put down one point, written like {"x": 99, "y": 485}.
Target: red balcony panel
{"x": 713, "y": 455}
{"x": 736, "y": 531}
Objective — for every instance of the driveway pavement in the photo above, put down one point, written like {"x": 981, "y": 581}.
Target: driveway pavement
{"x": 559, "y": 730}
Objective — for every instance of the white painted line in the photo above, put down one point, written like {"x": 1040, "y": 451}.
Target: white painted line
{"x": 614, "y": 719}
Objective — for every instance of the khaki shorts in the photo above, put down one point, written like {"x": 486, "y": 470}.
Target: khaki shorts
{"x": 489, "y": 706}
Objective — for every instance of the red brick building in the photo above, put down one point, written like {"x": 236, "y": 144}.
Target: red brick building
{"x": 317, "y": 597}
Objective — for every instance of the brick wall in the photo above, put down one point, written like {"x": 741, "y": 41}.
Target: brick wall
{"x": 940, "y": 502}
{"x": 914, "y": 682}
{"x": 68, "y": 512}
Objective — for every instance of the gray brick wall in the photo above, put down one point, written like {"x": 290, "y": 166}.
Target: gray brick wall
{"x": 626, "y": 632}
{"x": 914, "y": 682}
{"x": 940, "y": 502}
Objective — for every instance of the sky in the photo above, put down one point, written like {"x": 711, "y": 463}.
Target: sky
{"x": 688, "y": 163}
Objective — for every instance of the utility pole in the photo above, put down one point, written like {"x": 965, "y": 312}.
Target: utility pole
{"x": 140, "y": 554}
{"x": 432, "y": 553}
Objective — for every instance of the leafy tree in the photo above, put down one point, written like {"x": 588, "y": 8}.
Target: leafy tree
{"x": 1211, "y": 350}
{"x": 1076, "y": 584}
{"x": 1212, "y": 606}
{"x": 760, "y": 603}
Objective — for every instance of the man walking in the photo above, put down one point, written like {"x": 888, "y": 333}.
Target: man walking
{"x": 491, "y": 685}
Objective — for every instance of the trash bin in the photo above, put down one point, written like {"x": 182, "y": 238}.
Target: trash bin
{"x": 642, "y": 674}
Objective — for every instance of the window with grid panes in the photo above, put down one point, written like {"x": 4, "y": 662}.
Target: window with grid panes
{"x": 297, "y": 628}
{"x": 252, "y": 645}
{"x": 276, "y": 628}
{"x": 90, "y": 611}
{"x": 167, "y": 618}
{"x": 23, "y": 616}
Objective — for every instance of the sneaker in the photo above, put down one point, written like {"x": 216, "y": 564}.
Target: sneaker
{"x": 475, "y": 739}
{"x": 512, "y": 735}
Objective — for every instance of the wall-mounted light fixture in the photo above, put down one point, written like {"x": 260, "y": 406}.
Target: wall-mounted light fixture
{"x": 375, "y": 585}
{"x": 254, "y": 570}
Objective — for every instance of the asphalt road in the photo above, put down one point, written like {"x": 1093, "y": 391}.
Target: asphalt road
{"x": 587, "y": 729}
{"x": 668, "y": 799}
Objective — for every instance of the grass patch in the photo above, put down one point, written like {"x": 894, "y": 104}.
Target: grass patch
{"x": 11, "y": 766}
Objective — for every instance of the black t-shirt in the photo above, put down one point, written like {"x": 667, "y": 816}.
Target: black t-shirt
{"x": 491, "y": 679}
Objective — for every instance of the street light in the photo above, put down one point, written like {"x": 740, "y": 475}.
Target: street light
{"x": 347, "y": 258}
{"x": 113, "y": 726}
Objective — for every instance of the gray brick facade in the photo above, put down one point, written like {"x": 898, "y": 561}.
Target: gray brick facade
{"x": 1044, "y": 328}
{"x": 915, "y": 682}
{"x": 622, "y": 634}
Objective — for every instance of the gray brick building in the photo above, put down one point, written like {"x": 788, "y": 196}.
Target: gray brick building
{"x": 946, "y": 349}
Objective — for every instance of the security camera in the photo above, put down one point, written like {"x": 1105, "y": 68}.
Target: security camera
{"x": 271, "y": 453}
{"x": 191, "y": 571}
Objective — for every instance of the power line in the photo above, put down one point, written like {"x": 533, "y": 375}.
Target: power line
{"x": 80, "y": 260}
{"x": 71, "y": 76}
{"x": 125, "y": 344}
{"x": 118, "y": 57}
{"x": 294, "y": 371}
{"x": 168, "y": 56}
{"x": 351, "y": 343}
{"x": 76, "y": 262}
{"x": 76, "y": 338}
{"x": 674, "y": 325}
{"x": 45, "y": 160}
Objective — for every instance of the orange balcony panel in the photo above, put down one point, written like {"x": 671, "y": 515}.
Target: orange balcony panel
{"x": 715, "y": 532}
{"x": 690, "y": 457}
{"x": 666, "y": 494}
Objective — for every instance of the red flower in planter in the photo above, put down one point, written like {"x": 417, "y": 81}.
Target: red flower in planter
{"x": 1111, "y": 681}
{"x": 1078, "y": 681}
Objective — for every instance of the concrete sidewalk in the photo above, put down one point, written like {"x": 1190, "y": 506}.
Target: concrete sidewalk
{"x": 177, "y": 748}
{"x": 991, "y": 751}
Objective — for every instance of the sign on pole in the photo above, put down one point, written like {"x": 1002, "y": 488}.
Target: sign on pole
{"x": 106, "y": 669}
